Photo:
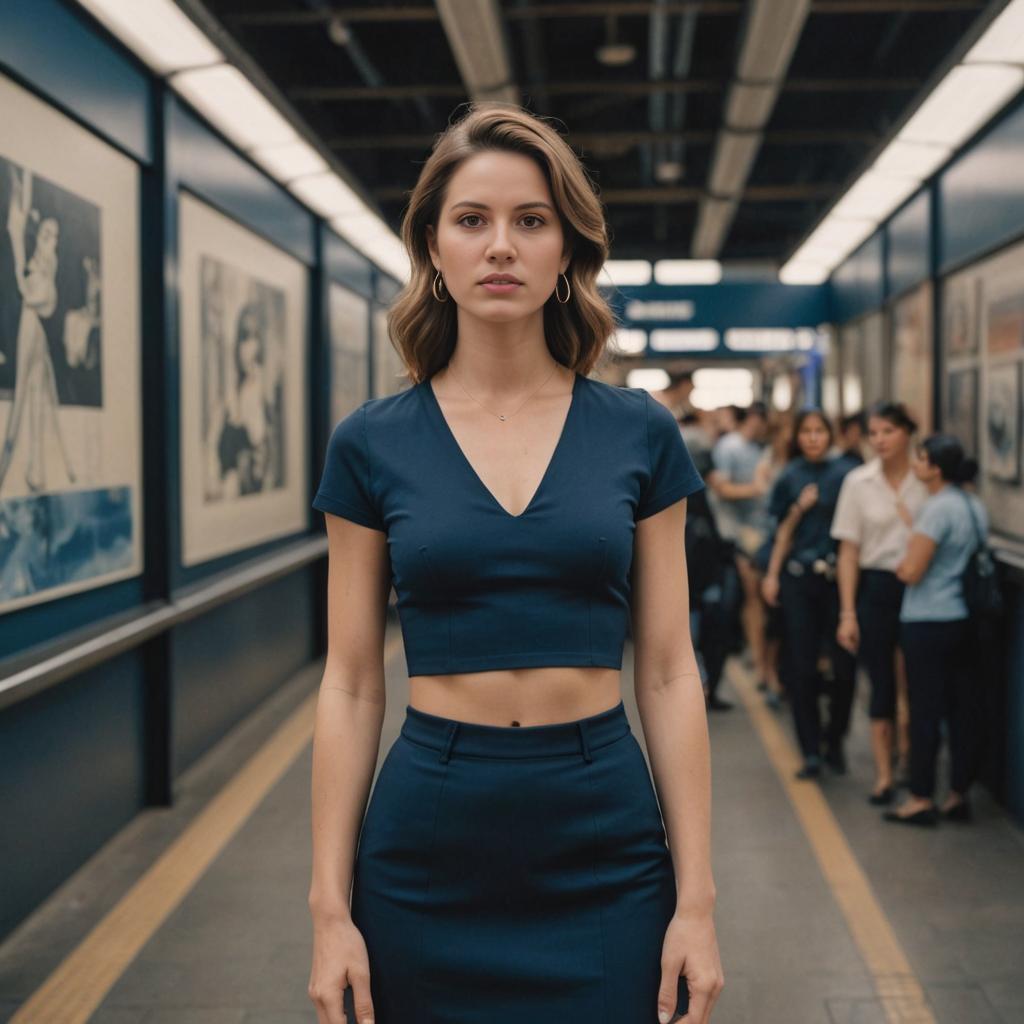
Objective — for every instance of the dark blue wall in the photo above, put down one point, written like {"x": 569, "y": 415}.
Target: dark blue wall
{"x": 79, "y": 760}
{"x": 858, "y": 285}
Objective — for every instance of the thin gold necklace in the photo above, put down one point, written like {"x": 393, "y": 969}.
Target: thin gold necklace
{"x": 502, "y": 416}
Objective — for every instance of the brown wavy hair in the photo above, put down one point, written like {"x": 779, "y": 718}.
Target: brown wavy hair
{"x": 422, "y": 329}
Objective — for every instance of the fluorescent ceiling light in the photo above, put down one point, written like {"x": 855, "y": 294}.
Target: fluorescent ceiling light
{"x": 364, "y": 224}
{"x": 734, "y": 157}
{"x": 911, "y": 159}
{"x": 626, "y": 272}
{"x": 750, "y": 106}
{"x": 771, "y": 35}
{"x": 687, "y": 271}
{"x": 158, "y": 31}
{"x": 797, "y": 272}
{"x": 844, "y": 234}
{"x": 714, "y": 387}
{"x": 1003, "y": 41}
{"x": 962, "y": 102}
{"x": 630, "y": 341}
{"x": 761, "y": 339}
{"x": 714, "y": 218}
{"x": 292, "y": 160}
{"x": 874, "y": 196}
{"x": 476, "y": 37}
{"x": 234, "y": 105}
{"x": 327, "y": 194}
{"x": 683, "y": 339}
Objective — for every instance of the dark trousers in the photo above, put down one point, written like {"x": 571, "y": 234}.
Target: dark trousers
{"x": 879, "y": 596}
{"x": 938, "y": 687}
{"x": 810, "y": 616}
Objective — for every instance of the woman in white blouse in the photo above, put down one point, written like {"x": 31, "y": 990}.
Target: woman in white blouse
{"x": 873, "y": 539}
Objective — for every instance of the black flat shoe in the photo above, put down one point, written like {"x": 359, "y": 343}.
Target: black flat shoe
{"x": 884, "y": 797}
{"x": 835, "y": 758}
{"x": 809, "y": 771}
{"x": 928, "y": 817}
{"x": 959, "y": 812}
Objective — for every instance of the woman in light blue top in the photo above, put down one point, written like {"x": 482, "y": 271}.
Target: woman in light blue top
{"x": 934, "y": 627}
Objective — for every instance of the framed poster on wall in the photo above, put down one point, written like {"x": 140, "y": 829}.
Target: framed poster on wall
{"x": 912, "y": 355}
{"x": 350, "y": 345}
{"x": 242, "y": 325}
{"x": 851, "y": 363}
{"x": 70, "y": 384}
{"x": 962, "y": 408}
{"x": 1003, "y": 423}
{"x": 960, "y": 315}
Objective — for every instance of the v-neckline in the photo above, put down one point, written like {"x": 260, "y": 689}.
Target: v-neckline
{"x": 447, "y": 430}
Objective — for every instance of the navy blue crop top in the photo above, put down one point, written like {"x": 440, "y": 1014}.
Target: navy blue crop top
{"x": 478, "y": 588}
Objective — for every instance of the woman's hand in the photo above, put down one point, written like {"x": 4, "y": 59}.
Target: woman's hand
{"x": 770, "y": 590}
{"x": 848, "y": 633}
{"x": 339, "y": 960}
{"x": 691, "y": 949}
{"x": 808, "y": 497}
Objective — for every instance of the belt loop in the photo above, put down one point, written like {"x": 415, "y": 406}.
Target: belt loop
{"x": 447, "y": 752}
{"x": 583, "y": 743}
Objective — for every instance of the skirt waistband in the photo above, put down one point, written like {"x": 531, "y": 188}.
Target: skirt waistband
{"x": 476, "y": 740}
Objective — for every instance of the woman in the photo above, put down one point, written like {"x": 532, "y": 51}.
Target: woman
{"x": 872, "y": 541}
{"x": 801, "y": 578}
{"x": 773, "y": 461}
{"x": 934, "y": 628}
{"x": 513, "y": 852}
{"x": 35, "y": 385}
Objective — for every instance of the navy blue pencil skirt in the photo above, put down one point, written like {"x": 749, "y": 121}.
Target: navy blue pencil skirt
{"x": 507, "y": 875}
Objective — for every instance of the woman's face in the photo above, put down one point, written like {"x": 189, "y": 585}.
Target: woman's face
{"x": 888, "y": 440}
{"x": 813, "y": 438}
{"x": 923, "y": 469}
{"x": 498, "y": 217}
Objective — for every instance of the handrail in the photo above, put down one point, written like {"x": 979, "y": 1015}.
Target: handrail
{"x": 37, "y": 669}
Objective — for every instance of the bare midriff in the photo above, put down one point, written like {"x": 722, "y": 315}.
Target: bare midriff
{"x": 518, "y": 696}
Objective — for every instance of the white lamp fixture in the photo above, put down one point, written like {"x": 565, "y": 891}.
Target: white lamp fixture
{"x": 687, "y": 271}
{"x": 158, "y": 31}
{"x": 625, "y": 272}
{"x": 327, "y": 194}
{"x": 630, "y": 341}
{"x": 234, "y": 105}
{"x": 683, "y": 339}
{"x": 1003, "y": 41}
{"x": 912, "y": 159}
{"x": 842, "y": 233}
{"x": 874, "y": 196}
{"x": 796, "y": 272}
{"x": 962, "y": 102}
{"x": 290, "y": 160}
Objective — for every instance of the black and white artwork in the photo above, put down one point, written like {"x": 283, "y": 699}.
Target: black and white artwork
{"x": 243, "y": 360}
{"x": 960, "y": 315}
{"x": 70, "y": 443}
{"x": 962, "y": 408}
{"x": 1003, "y": 423}
{"x": 350, "y": 344}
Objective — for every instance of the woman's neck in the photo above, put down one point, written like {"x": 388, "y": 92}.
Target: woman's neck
{"x": 896, "y": 467}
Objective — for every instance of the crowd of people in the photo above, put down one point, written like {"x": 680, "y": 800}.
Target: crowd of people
{"x": 819, "y": 548}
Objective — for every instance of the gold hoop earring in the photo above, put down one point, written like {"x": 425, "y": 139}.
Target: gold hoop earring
{"x": 568, "y": 290}
{"x": 433, "y": 287}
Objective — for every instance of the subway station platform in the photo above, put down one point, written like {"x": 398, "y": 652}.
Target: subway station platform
{"x": 196, "y": 914}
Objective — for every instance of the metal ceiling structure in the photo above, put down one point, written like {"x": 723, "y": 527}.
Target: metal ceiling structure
{"x": 713, "y": 128}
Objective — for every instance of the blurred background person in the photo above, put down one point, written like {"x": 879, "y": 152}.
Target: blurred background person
{"x": 872, "y": 542}
{"x": 801, "y": 579}
{"x": 935, "y": 628}
{"x": 739, "y": 496}
{"x": 850, "y": 437}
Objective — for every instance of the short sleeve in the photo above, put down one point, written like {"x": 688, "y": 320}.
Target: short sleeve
{"x": 846, "y": 523}
{"x": 672, "y": 474}
{"x": 933, "y": 521}
{"x": 780, "y": 499}
{"x": 345, "y": 484}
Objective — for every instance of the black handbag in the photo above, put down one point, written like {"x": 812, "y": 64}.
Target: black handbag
{"x": 982, "y": 593}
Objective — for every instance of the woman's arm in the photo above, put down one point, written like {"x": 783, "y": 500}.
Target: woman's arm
{"x": 346, "y": 742}
{"x": 780, "y": 548}
{"x": 920, "y": 552}
{"x": 670, "y": 700}
{"x": 848, "y": 576}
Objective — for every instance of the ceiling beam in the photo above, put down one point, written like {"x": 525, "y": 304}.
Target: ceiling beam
{"x": 353, "y": 93}
{"x": 595, "y": 140}
{"x": 421, "y": 12}
{"x": 676, "y": 195}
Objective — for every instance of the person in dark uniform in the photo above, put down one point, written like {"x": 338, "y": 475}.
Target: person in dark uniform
{"x": 515, "y": 862}
{"x": 801, "y": 578}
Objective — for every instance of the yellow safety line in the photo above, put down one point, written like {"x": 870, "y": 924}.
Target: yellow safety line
{"x": 899, "y": 991}
{"x": 82, "y": 980}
